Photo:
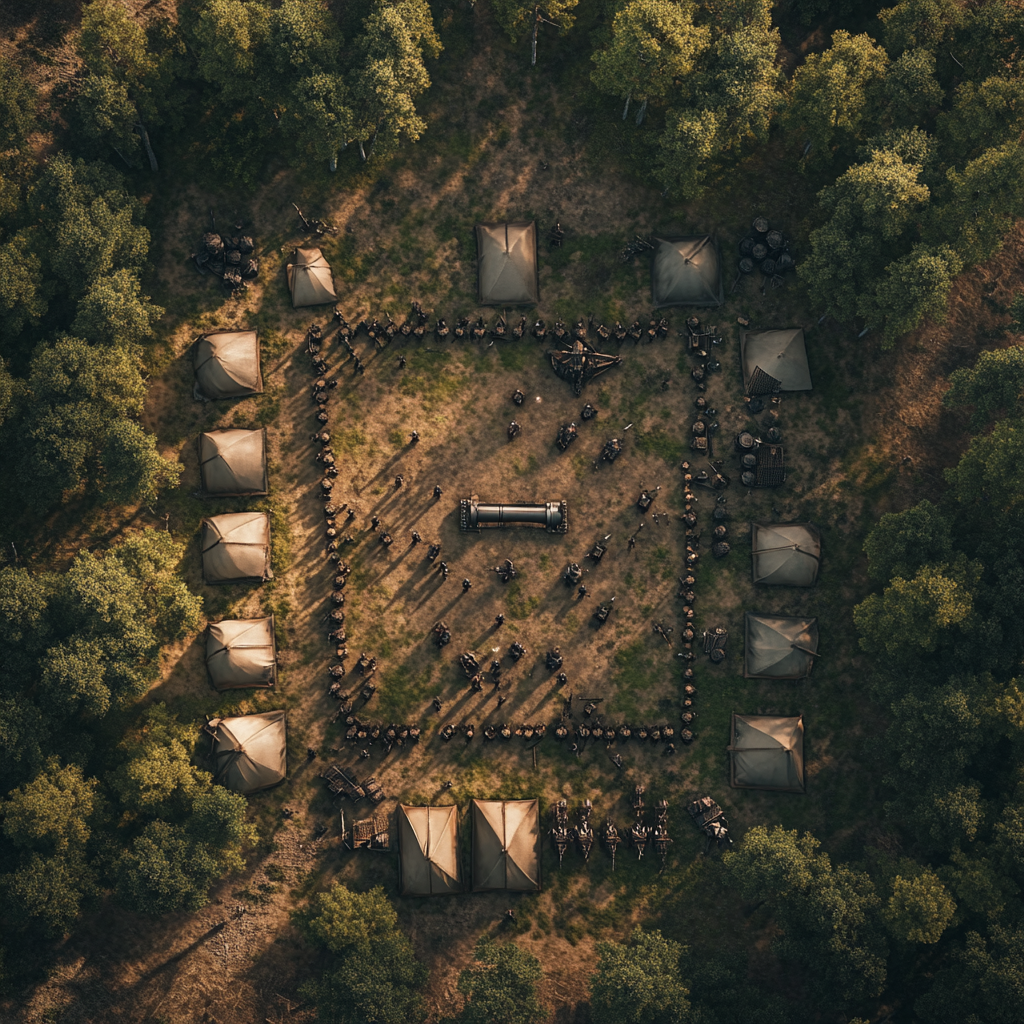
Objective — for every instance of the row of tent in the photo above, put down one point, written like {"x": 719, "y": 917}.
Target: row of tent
{"x": 686, "y": 270}
{"x": 242, "y": 653}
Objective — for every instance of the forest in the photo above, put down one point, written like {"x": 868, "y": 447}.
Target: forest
{"x": 890, "y": 138}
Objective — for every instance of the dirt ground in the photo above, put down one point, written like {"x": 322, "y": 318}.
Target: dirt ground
{"x": 870, "y": 437}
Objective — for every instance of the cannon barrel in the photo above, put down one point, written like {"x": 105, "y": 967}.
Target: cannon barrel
{"x": 478, "y": 515}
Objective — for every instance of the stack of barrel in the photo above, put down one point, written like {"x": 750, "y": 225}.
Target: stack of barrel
{"x": 766, "y": 249}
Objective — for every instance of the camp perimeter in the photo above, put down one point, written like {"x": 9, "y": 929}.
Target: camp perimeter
{"x": 511, "y": 512}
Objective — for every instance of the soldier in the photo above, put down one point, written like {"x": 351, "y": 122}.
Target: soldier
{"x": 475, "y": 684}
{"x": 514, "y": 430}
{"x": 499, "y": 619}
{"x": 364, "y": 754}
{"x": 501, "y": 699}
{"x": 581, "y": 592}
{"x": 399, "y": 480}
{"x": 518, "y": 397}
{"x": 374, "y": 522}
{"x": 447, "y": 785}
{"x": 433, "y": 551}
{"x": 437, "y": 491}
{"x": 466, "y": 584}
{"x": 357, "y": 365}
{"x": 414, "y": 437}
{"x": 444, "y": 571}
{"x": 401, "y": 362}
{"x": 437, "y": 704}
{"x": 416, "y": 538}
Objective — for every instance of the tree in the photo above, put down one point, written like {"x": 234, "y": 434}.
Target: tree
{"x": 911, "y": 87}
{"x": 501, "y": 988}
{"x": 827, "y": 915}
{"x": 986, "y": 476}
{"x": 914, "y": 286}
{"x": 81, "y": 397}
{"x": 985, "y": 114}
{"x": 390, "y": 73}
{"x": 902, "y": 542}
{"x": 115, "y": 312}
{"x": 517, "y": 17}
{"x": 920, "y": 23}
{"x": 995, "y": 384}
{"x": 22, "y": 289}
{"x": 17, "y": 106}
{"x": 638, "y": 981}
{"x": 919, "y": 909}
{"x": 834, "y": 95}
{"x": 913, "y": 615}
{"x": 91, "y": 221}
{"x": 654, "y": 45}
{"x": 377, "y": 978}
{"x": 107, "y": 116}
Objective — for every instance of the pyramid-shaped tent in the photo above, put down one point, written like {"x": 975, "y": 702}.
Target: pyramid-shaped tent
{"x": 781, "y": 355}
{"x": 779, "y": 647}
{"x": 227, "y": 365}
{"x": 428, "y": 843}
{"x": 249, "y": 751}
{"x": 506, "y": 264}
{"x": 233, "y": 462}
{"x": 785, "y": 554}
{"x": 686, "y": 271}
{"x": 767, "y": 753}
{"x": 506, "y": 845}
{"x": 241, "y": 653}
{"x": 236, "y": 547}
{"x": 310, "y": 279}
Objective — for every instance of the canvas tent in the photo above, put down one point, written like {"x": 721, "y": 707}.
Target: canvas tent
{"x": 686, "y": 271}
{"x": 233, "y": 462}
{"x": 310, "y": 279}
{"x": 767, "y": 753}
{"x": 785, "y": 554}
{"x": 506, "y": 264}
{"x": 248, "y": 751}
{"x": 241, "y": 653}
{"x": 236, "y": 547}
{"x": 779, "y": 647}
{"x": 781, "y": 355}
{"x": 227, "y": 365}
{"x": 428, "y": 846}
{"x": 506, "y": 845}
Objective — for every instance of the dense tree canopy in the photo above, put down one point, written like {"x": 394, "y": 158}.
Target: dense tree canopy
{"x": 501, "y": 987}
{"x": 376, "y": 977}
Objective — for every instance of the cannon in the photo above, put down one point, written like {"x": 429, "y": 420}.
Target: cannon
{"x": 567, "y": 433}
{"x": 611, "y": 839}
{"x": 572, "y": 574}
{"x": 560, "y": 834}
{"x": 584, "y": 832}
{"x": 603, "y": 611}
{"x": 474, "y": 514}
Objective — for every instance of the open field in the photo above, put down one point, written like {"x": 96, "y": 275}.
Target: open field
{"x": 404, "y": 233}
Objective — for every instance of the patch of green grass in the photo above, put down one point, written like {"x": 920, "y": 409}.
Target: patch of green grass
{"x": 433, "y": 377}
{"x": 661, "y": 443}
{"x": 520, "y": 605}
{"x": 396, "y": 438}
{"x": 403, "y": 693}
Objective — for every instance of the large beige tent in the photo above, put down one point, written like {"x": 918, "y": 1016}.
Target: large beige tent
{"x": 310, "y": 279}
{"x": 506, "y": 264}
{"x": 236, "y": 547}
{"x": 686, "y": 271}
{"x": 233, "y": 462}
{"x": 779, "y": 646}
{"x": 241, "y": 653}
{"x": 506, "y": 845}
{"x": 781, "y": 358}
{"x": 428, "y": 845}
{"x": 249, "y": 751}
{"x": 767, "y": 753}
{"x": 227, "y": 365}
{"x": 785, "y": 554}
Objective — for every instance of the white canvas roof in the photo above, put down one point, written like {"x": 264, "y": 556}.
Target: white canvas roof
{"x": 506, "y": 845}
{"x": 233, "y": 462}
{"x": 249, "y": 751}
{"x": 241, "y": 653}
{"x": 310, "y": 279}
{"x": 428, "y": 843}
{"x": 779, "y": 646}
{"x": 507, "y": 263}
{"x": 785, "y": 554}
{"x": 686, "y": 271}
{"x": 767, "y": 753}
{"x": 227, "y": 365}
{"x": 780, "y": 354}
{"x": 236, "y": 547}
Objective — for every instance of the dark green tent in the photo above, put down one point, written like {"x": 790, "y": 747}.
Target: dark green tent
{"x": 686, "y": 271}
{"x": 779, "y": 646}
{"x": 785, "y": 554}
{"x": 767, "y": 752}
{"x": 781, "y": 355}
{"x": 506, "y": 264}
